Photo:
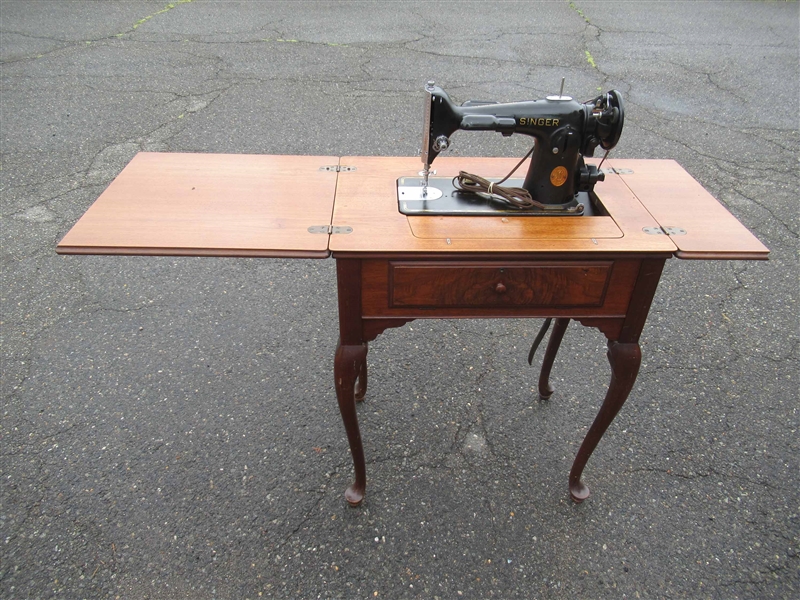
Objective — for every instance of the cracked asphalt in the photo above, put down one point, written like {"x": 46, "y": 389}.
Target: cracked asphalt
{"x": 169, "y": 425}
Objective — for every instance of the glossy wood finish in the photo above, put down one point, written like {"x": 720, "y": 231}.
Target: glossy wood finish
{"x": 369, "y": 288}
{"x": 556, "y": 336}
{"x": 601, "y": 290}
{"x": 489, "y": 267}
{"x": 211, "y": 205}
{"x": 624, "y": 359}
{"x": 656, "y": 193}
{"x": 510, "y": 227}
{"x": 602, "y": 271}
{"x": 350, "y": 365}
{"x": 430, "y": 284}
{"x": 675, "y": 199}
{"x": 262, "y": 206}
{"x": 366, "y": 200}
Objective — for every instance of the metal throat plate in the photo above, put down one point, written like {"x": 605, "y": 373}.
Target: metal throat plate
{"x": 417, "y": 192}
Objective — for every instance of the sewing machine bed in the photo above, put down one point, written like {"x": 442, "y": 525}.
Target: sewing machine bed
{"x": 312, "y": 206}
{"x": 445, "y": 199}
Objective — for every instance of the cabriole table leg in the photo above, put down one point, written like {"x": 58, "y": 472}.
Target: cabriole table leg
{"x": 625, "y": 359}
{"x": 361, "y": 382}
{"x": 545, "y": 389}
{"x": 350, "y": 361}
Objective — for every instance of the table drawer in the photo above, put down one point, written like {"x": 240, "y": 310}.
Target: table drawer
{"x": 454, "y": 284}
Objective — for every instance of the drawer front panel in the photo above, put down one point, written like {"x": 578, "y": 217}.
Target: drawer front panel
{"x": 474, "y": 284}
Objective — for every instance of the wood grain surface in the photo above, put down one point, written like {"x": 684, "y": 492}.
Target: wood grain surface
{"x": 210, "y": 205}
{"x": 430, "y": 284}
{"x": 260, "y": 205}
{"x": 454, "y": 288}
{"x": 676, "y": 199}
{"x": 366, "y": 200}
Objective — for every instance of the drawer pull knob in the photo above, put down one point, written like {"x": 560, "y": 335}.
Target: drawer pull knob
{"x": 500, "y": 288}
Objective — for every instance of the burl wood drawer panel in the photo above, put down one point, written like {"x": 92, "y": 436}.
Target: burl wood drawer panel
{"x": 486, "y": 284}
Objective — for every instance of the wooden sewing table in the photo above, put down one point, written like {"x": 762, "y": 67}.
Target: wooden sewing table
{"x": 391, "y": 269}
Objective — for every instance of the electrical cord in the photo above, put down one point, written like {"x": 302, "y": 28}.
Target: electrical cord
{"x": 519, "y": 197}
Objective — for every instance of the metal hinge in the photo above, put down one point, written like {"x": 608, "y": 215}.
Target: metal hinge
{"x": 341, "y": 229}
{"x": 664, "y": 230}
{"x": 337, "y": 168}
{"x": 613, "y": 171}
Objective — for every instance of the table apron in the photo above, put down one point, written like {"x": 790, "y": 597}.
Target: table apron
{"x": 411, "y": 289}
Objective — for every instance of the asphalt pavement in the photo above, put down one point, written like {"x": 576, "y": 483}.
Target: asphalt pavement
{"x": 169, "y": 425}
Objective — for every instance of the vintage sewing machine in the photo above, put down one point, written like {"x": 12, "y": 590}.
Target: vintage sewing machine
{"x": 558, "y": 180}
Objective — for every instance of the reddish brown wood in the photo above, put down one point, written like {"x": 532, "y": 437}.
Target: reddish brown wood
{"x": 608, "y": 327}
{"x": 614, "y": 292}
{"x": 625, "y": 356}
{"x": 559, "y": 329}
{"x": 219, "y": 252}
{"x": 361, "y": 382}
{"x": 625, "y": 360}
{"x": 348, "y": 279}
{"x": 641, "y": 298}
{"x": 350, "y": 365}
{"x": 251, "y": 205}
{"x": 347, "y": 365}
{"x": 625, "y": 285}
{"x": 470, "y": 285}
{"x": 719, "y": 256}
{"x": 374, "y": 327}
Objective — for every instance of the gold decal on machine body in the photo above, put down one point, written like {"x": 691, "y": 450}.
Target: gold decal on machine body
{"x": 558, "y": 176}
{"x": 539, "y": 121}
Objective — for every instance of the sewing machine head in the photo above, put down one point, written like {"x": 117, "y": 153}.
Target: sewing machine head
{"x": 564, "y": 130}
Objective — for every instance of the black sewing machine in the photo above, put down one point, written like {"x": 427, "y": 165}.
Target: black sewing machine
{"x": 558, "y": 181}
